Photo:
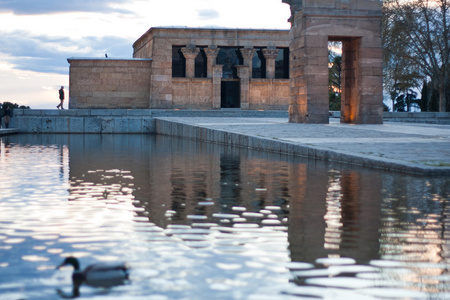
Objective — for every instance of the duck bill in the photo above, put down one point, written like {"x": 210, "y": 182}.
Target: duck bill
{"x": 60, "y": 266}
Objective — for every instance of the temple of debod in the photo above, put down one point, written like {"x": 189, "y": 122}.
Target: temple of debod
{"x": 192, "y": 68}
{"x": 189, "y": 68}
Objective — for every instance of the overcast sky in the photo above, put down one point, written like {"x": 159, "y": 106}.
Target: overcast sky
{"x": 37, "y": 36}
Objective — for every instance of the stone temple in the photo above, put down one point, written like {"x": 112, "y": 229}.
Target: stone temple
{"x": 189, "y": 68}
{"x": 192, "y": 68}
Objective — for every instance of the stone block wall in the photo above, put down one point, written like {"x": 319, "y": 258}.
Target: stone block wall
{"x": 338, "y": 7}
{"x": 143, "y": 47}
{"x": 109, "y": 83}
{"x": 192, "y": 92}
{"x": 161, "y": 78}
{"x": 267, "y": 94}
{"x": 84, "y": 121}
{"x": 114, "y": 121}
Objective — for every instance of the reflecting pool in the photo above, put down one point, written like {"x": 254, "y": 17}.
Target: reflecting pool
{"x": 202, "y": 221}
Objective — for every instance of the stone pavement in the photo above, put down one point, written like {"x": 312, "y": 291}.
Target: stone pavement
{"x": 406, "y": 147}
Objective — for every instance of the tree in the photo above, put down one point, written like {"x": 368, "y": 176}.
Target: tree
{"x": 334, "y": 75}
{"x": 11, "y": 106}
{"x": 416, "y": 37}
{"x": 335, "y": 72}
{"x": 405, "y": 101}
{"x": 335, "y": 101}
{"x": 425, "y": 97}
{"x": 430, "y": 98}
{"x": 399, "y": 73}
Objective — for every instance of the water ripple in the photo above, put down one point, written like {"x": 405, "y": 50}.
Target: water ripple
{"x": 256, "y": 227}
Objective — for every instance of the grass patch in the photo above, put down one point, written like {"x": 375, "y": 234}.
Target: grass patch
{"x": 437, "y": 164}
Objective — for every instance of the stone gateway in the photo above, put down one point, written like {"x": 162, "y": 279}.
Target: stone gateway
{"x": 357, "y": 24}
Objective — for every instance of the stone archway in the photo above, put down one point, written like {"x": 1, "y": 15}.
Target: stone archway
{"x": 358, "y": 25}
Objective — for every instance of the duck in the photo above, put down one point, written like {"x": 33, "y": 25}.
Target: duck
{"x": 99, "y": 274}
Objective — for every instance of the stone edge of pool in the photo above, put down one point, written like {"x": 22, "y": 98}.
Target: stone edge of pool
{"x": 201, "y": 133}
{"x": 8, "y": 131}
{"x": 115, "y": 121}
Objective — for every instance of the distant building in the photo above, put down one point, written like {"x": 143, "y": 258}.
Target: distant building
{"x": 189, "y": 68}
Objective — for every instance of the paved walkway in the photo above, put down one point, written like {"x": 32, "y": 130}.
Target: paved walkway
{"x": 410, "y": 147}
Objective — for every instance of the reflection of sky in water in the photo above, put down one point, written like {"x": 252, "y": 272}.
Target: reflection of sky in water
{"x": 197, "y": 221}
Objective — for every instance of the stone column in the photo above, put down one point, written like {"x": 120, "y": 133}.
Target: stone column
{"x": 247, "y": 54}
{"x": 211, "y": 54}
{"x": 244, "y": 75}
{"x": 217, "y": 72}
{"x": 190, "y": 53}
{"x": 309, "y": 84}
{"x": 270, "y": 54}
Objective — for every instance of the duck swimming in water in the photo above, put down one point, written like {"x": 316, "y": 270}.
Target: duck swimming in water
{"x": 97, "y": 275}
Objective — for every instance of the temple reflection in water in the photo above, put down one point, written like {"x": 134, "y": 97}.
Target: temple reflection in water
{"x": 329, "y": 210}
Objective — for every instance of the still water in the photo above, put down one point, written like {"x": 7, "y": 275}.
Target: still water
{"x": 201, "y": 221}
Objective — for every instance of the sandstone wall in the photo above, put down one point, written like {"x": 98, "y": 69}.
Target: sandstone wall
{"x": 267, "y": 94}
{"x": 167, "y": 92}
{"x": 109, "y": 83}
{"x": 192, "y": 93}
{"x": 161, "y": 79}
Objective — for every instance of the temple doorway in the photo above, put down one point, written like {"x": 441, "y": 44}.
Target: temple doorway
{"x": 230, "y": 96}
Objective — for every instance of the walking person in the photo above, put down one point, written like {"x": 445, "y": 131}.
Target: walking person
{"x": 7, "y": 116}
{"x": 1, "y": 114}
{"x": 61, "y": 98}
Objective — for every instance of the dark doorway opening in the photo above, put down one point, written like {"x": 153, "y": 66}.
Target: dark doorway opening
{"x": 230, "y": 94}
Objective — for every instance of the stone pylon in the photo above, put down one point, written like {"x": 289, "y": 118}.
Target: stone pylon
{"x": 357, "y": 24}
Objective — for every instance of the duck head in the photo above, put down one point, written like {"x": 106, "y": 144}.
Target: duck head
{"x": 70, "y": 261}
{"x": 78, "y": 277}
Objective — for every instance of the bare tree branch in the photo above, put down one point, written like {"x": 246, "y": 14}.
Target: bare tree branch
{"x": 416, "y": 37}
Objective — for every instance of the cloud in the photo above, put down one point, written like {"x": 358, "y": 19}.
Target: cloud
{"x": 207, "y": 14}
{"x": 49, "y": 54}
{"x": 38, "y": 7}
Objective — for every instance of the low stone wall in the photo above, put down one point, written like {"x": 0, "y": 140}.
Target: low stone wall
{"x": 8, "y": 131}
{"x": 410, "y": 117}
{"x": 223, "y": 137}
{"x": 83, "y": 121}
{"x": 112, "y": 121}
{"x": 418, "y": 117}
{"x": 143, "y": 120}
{"x": 170, "y": 128}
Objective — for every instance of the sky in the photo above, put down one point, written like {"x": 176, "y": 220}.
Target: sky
{"x": 37, "y": 36}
